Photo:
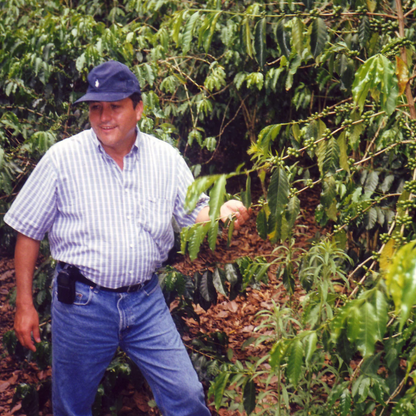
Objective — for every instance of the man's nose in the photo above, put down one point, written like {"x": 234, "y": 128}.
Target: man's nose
{"x": 105, "y": 114}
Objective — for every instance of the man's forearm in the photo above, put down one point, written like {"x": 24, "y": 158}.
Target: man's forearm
{"x": 26, "y": 321}
{"x": 26, "y": 254}
{"x": 203, "y": 215}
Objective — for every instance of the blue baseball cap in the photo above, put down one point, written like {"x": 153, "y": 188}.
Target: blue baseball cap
{"x": 110, "y": 81}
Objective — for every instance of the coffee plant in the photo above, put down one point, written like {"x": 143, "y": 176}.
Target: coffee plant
{"x": 282, "y": 97}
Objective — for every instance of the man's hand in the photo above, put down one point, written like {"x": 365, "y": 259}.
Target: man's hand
{"x": 235, "y": 209}
{"x": 230, "y": 209}
{"x": 26, "y": 323}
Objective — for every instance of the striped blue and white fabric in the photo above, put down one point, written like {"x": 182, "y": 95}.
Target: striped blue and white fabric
{"x": 114, "y": 224}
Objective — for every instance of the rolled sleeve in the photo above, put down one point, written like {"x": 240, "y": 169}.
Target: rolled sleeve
{"x": 33, "y": 211}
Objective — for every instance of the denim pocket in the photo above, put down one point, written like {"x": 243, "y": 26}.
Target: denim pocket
{"x": 151, "y": 286}
{"x": 83, "y": 294}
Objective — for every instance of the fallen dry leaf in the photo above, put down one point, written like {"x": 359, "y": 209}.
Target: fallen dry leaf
{"x": 16, "y": 408}
{"x": 232, "y": 306}
{"x": 13, "y": 379}
{"x": 4, "y": 385}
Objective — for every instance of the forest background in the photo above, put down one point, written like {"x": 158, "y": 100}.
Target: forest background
{"x": 274, "y": 99}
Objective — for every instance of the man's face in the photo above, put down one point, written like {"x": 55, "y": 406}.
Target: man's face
{"x": 114, "y": 123}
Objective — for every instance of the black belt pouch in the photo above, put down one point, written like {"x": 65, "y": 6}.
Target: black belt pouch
{"x": 66, "y": 287}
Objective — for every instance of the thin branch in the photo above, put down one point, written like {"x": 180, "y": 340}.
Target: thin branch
{"x": 220, "y": 134}
{"x": 403, "y": 54}
{"x": 223, "y": 128}
{"x": 410, "y": 12}
{"x": 395, "y": 393}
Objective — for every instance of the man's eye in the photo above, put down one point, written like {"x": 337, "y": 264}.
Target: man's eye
{"x": 115, "y": 107}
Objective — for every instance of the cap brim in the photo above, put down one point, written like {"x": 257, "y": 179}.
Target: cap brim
{"x": 101, "y": 96}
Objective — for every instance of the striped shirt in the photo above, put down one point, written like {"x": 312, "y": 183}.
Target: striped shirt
{"x": 115, "y": 225}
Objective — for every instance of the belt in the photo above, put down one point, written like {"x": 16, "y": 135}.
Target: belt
{"x": 76, "y": 274}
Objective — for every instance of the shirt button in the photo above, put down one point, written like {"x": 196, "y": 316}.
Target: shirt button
{"x": 131, "y": 271}
{"x": 128, "y": 217}
{"x": 131, "y": 245}
{"x": 126, "y": 190}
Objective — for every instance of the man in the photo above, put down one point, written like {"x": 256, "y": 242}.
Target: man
{"x": 106, "y": 197}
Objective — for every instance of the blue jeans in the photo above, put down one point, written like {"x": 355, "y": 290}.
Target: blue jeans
{"x": 87, "y": 334}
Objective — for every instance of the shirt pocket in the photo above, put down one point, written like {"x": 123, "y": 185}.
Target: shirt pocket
{"x": 158, "y": 216}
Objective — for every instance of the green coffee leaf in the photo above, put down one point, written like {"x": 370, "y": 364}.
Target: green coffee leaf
{"x": 364, "y": 31}
{"x": 288, "y": 281}
{"x": 260, "y": 42}
{"x": 319, "y": 36}
{"x": 195, "y": 190}
{"x": 185, "y": 236}
{"x": 292, "y": 212}
{"x": 230, "y": 232}
{"x": 371, "y": 218}
{"x": 345, "y": 403}
{"x": 377, "y": 76}
{"x": 278, "y": 192}
{"x": 371, "y": 183}
{"x": 278, "y": 352}
{"x": 188, "y": 33}
{"x": 207, "y": 288}
{"x": 272, "y": 77}
{"x": 283, "y": 38}
{"x": 208, "y": 35}
{"x": 1, "y": 157}
{"x": 386, "y": 184}
{"x": 177, "y": 25}
{"x": 218, "y": 282}
{"x": 332, "y": 155}
{"x": 343, "y": 152}
{"x": 212, "y": 235}
{"x": 339, "y": 322}
{"x": 218, "y": 388}
{"x": 246, "y": 195}
{"x": 401, "y": 281}
{"x": 310, "y": 347}
{"x": 329, "y": 191}
{"x": 196, "y": 239}
{"x": 297, "y": 35}
{"x": 231, "y": 273}
{"x": 239, "y": 79}
{"x": 371, "y": 365}
{"x": 278, "y": 197}
{"x": 372, "y": 5}
{"x": 249, "y": 397}
{"x": 217, "y": 196}
{"x": 267, "y": 135}
{"x": 261, "y": 224}
{"x": 246, "y": 37}
{"x": 295, "y": 360}
{"x": 368, "y": 330}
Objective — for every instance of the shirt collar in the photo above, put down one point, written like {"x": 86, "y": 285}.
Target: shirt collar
{"x": 134, "y": 149}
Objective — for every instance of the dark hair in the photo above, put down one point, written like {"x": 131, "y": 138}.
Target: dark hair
{"x": 136, "y": 97}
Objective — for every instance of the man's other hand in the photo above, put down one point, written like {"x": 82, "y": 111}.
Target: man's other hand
{"x": 26, "y": 323}
{"x": 237, "y": 210}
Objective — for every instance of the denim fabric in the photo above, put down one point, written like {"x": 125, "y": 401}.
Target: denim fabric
{"x": 86, "y": 336}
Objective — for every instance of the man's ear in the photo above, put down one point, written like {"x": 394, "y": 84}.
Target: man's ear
{"x": 139, "y": 110}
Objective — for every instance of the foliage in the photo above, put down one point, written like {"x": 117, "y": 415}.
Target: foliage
{"x": 293, "y": 96}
